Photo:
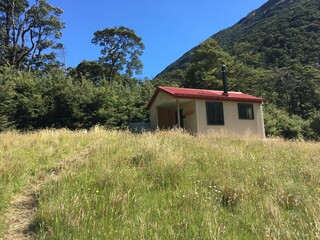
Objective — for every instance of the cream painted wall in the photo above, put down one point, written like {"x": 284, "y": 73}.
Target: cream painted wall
{"x": 232, "y": 123}
{"x": 160, "y": 99}
{"x": 153, "y": 118}
{"x": 190, "y": 120}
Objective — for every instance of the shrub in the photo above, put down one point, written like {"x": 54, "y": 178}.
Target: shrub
{"x": 280, "y": 124}
{"x": 315, "y": 125}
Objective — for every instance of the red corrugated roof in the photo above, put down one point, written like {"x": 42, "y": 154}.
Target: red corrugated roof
{"x": 205, "y": 94}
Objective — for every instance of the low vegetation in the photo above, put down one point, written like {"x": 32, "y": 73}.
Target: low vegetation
{"x": 25, "y": 159}
{"x": 164, "y": 185}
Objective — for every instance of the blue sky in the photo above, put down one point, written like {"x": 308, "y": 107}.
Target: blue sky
{"x": 168, "y": 28}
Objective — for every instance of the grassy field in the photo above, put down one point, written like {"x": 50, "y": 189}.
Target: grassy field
{"x": 165, "y": 185}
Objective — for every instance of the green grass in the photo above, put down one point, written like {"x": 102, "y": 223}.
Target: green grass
{"x": 26, "y": 158}
{"x": 167, "y": 185}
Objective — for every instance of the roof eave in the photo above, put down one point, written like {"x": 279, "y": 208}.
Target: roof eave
{"x": 222, "y": 98}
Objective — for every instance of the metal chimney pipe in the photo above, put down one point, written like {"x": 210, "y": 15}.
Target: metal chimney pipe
{"x": 224, "y": 78}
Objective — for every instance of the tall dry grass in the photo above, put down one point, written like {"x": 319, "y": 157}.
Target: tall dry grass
{"x": 26, "y": 158}
{"x": 170, "y": 185}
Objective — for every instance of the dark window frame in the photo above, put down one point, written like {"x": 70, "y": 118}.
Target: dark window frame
{"x": 215, "y": 113}
{"x": 245, "y": 111}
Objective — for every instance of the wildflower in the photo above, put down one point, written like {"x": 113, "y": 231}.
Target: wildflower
{"x": 267, "y": 229}
{"x": 97, "y": 191}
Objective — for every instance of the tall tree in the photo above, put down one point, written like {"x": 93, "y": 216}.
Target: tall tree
{"x": 298, "y": 89}
{"x": 121, "y": 49}
{"x": 28, "y": 33}
{"x": 204, "y": 70}
{"x": 88, "y": 69}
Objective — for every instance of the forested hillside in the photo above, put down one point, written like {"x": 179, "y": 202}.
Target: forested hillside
{"x": 279, "y": 34}
{"x": 274, "y": 52}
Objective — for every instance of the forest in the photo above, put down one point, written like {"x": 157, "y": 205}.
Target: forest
{"x": 37, "y": 91}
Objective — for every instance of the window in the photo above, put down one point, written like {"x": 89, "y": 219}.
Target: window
{"x": 245, "y": 111}
{"x": 214, "y": 113}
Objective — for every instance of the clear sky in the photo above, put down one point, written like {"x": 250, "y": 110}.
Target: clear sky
{"x": 168, "y": 28}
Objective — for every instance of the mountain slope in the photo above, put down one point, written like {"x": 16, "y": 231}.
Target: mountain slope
{"x": 278, "y": 34}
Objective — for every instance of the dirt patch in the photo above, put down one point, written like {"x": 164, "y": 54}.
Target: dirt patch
{"x": 20, "y": 215}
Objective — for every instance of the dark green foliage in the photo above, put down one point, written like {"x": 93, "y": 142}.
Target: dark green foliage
{"x": 94, "y": 93}
{"x": 91, "y": 70}
{"x": 204, "y": 70}
{"x": 28, "y": 34}
{"x": 64, "y": 99}
{"x": 297, "y": 89}
{"x": 278, "y": 34}
{"x": 7, "y": 103}
{"x": 279, "y": 123}
{"x": 29, "y": 105}
{"x": 121, "y": 49}
{"x": 29, "y": 101}
{"x": 315, "y": 124}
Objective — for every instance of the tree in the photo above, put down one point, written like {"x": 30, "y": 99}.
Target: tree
{"x": 7, "y": 94}
{"x": 121, "y": 49}
{"x": 247, "y": 53}
{"x": 298, "y": 90}
{"x": 315, "y": 124}
{"x": 279, "y": 123}
{"x": 204, "y": 69}
{"x": 88, "y": 69}
{"x": 21, "y": 102}
{"x": 28, "y": 33}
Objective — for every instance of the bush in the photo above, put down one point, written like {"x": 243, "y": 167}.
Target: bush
{"x": 315, "y": 125}
{"x": 39, "y": 100}
{"x": 280, "y": 124}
